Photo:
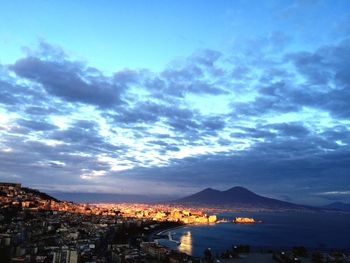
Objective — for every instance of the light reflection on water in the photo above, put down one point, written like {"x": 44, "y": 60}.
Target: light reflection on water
{"x": 186, "y": 243}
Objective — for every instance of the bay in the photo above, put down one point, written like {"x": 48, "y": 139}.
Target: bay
{"x": 279, "y": 230}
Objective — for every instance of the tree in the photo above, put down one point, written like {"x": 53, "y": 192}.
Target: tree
{"x": 317, "y": 257}
{"x": 208, "y": 257}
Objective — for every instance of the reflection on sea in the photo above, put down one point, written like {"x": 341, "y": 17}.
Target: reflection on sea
{"x": 186, "y": 243}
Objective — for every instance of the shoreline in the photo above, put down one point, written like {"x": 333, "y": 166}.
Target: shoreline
{"x": 187, "y": 225}
{"x": 169, "y": 229}
{"x": 152, "y": 236}
{"x": 253, "y": 249}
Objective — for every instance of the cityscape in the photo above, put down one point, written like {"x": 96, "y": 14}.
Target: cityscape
{"x": 174, "y": 131}
{"x": 36, "y": 227}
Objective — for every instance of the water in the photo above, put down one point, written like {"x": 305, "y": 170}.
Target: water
{"x": 278, "y": 230}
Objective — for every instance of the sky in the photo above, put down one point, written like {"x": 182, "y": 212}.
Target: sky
{"x": 165, "y": 98}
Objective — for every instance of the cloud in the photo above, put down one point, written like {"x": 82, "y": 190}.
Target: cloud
{"x": 36, "y": 125}
{"x": 70, "y": 81}
{"x": 211, "y": 119}
{"x": 290, "y": 165}
{"x": 335, "y": 193}
{"x": 289, "y": 129}
{"x": 326, "y": 73}
{"x": 320, "y": 81}
{"x": 195, "y": 75}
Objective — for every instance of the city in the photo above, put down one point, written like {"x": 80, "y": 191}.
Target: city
{"x": 37, "y": 228}
{"x": 175, "y": 131}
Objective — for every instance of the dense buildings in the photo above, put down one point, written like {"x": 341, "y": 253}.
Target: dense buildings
{"x": 38, "y": 228}
{"x": 35, "y": 227}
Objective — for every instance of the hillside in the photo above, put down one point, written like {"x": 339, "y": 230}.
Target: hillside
{"x": 15, "y": 194}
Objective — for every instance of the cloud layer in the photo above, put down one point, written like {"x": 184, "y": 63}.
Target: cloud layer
{"x": 273, "y": 120}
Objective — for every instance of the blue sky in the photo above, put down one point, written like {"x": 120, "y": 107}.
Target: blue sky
{"x": 169, "y": 97}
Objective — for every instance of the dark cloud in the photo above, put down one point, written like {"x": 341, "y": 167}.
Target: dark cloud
{"x": 7, "y": 95}
{"x": 326, "y": 86}
{"x": 213, "y": 123}
{"x": 31, "y": 161}
{"x": 192, "y": 76}
{"x": 84, "y": 137}
{"x": 289, "y": 129}
{"x": 71, "y": 81}
{"x": 44, "y": 110}
{"x": 181, "y": 120}
{"x": 326, "y": 70}
{"x": 166, "y": 146}
{"x": 290, "y": 164}
{"x": 337, "y": 133}
{"x": 36, "y": 125}
{"x": 253, "y": 133}
{"x": 14, "y": 94}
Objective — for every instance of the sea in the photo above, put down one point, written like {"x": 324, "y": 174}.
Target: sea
{"x": 278, "y": 231}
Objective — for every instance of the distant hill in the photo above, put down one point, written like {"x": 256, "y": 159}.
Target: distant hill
{"x": 107, "y": 198}
{"x": 236, "y": 197}
{"x": 338, "y": 206}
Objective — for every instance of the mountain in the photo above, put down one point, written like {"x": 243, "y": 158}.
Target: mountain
{"x": 338, "y": 206}
{"x": 236, "y": 197}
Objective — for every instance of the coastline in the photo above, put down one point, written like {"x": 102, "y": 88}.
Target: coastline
{"x": 187, "y": 225}
{"x": 263, "y": 247}
{"x": 160, "y": 232}
{"x": 151, "y": 236}
{"x": 171, "y": 229}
